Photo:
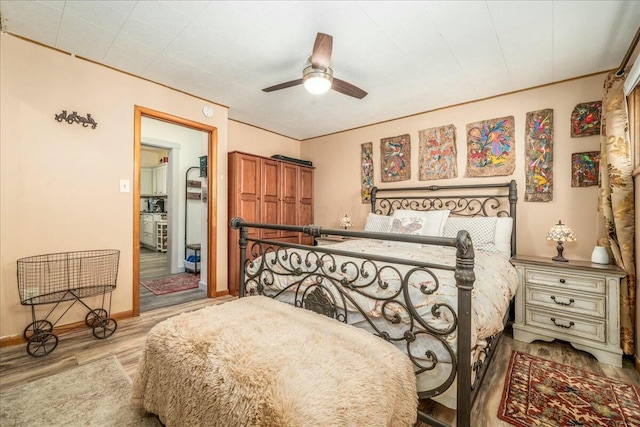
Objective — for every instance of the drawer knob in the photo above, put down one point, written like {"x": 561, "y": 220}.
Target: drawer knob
{"x": 562, "y": 281}
{"x": 571, "y": 301}
{"x": 553, "y": 319}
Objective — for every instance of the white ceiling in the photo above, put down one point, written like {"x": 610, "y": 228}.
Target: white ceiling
{"x": 409, "y": 56}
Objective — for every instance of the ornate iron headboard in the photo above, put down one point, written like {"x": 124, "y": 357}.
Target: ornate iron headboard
{"x": 472, "y": 205}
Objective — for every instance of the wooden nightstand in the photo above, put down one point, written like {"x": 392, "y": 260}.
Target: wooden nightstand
{"x": 575, "y": 301}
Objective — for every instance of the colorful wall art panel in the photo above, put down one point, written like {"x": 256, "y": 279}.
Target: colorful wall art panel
{"x": 366, "y": 171}
{"x": 437, "y": 153}
{"x": 585, "y": 119}
{"x": 539, "y": 156}
{"x": 491, "y": 147}
{"x": 396, "y": 158}
{"x": 585, "y": 169}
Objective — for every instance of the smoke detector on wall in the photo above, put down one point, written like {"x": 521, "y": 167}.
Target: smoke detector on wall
{"x": 207, "y": 111}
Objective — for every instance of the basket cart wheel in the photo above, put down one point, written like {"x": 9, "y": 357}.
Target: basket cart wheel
{"x": 37, "y": 327}
{"x": 95, "y": 314}
{"x": 42, "y": 344}
{"x": 104, "y": 327}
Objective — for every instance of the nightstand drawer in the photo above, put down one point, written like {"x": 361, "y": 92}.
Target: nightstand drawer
{"x": 567, "y": 302}
{"x": 563, "y": 325}
{"x": 569, "y": 280}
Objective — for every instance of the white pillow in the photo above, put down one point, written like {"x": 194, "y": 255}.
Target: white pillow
{"x": 436, "y": 221}
{"x": 481, "y": 229}
{"x": 504, "y": 226}
{"x": 377, "y": 223}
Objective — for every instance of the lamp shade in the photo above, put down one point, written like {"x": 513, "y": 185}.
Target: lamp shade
{"x": 561, "y": 233}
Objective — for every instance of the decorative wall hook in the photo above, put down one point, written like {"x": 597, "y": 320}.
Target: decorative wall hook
{"x": 75, "y": 118}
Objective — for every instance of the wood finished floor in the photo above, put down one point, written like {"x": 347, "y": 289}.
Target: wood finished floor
{"x": 79, "y": 348}
{"x": 154, "y": 264}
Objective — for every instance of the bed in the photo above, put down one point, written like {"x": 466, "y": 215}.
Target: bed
{"x": 434, "y": 279}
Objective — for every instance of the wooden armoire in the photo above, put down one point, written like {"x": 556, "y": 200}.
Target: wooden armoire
{"x": 267, "y": 190}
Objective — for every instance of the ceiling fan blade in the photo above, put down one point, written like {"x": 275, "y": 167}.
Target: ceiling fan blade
{"x": 347, "y": 89}
{"x": 283, "y": 85}
{"x": 321, "y": 56}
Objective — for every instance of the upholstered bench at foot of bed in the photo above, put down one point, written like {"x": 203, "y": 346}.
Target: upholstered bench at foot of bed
{"x": 259, "y": 362}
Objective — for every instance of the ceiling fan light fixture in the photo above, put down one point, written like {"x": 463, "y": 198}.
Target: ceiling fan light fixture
{"x": 317, "y": 81}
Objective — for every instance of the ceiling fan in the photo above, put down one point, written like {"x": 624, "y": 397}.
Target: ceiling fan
{"x": 318, "y": 77}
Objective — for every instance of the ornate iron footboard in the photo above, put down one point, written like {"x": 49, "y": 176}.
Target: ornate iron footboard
{"x": 330, "y": 282}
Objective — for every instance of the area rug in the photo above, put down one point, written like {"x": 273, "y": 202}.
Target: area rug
{"x": 539, "y": 392}
{"x": 95, "y": 394}
{"x": 173, "y": 283}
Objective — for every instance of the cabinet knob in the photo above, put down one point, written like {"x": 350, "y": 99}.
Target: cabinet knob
{"x": 562, "y": 281}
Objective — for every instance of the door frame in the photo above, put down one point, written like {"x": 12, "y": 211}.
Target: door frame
{"x": 212, "y": 203}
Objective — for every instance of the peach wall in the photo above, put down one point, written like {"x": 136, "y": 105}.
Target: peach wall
{"x": 59, "y": 188}
{"x": 337, "y": 157}
{"x": 254, "y": 140}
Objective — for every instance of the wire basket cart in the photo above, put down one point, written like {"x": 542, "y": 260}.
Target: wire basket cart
{"x": 67, "y": 276}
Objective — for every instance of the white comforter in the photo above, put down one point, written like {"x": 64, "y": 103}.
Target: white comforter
{"x": 495, "y": 285}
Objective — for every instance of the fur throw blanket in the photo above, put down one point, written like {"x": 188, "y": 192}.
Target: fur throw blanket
{"x": 259, "y": 362}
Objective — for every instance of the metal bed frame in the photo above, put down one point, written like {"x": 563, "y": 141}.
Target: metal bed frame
{"x": 317, "y": 285}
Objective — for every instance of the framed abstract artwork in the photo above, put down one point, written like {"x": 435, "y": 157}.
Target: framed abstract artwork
{"x": 539, "y": 156}
{"x": 491, "y": 147}
{"x": 585, "y": 119}
{"x": 585, "y": 169}
{"x": 437, "y": 153}
{"x": 366, "y": 171}
{"x": 396, "y": 158}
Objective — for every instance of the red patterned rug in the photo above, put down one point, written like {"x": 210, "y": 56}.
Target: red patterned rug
{"x": 173, "y": 283}
{"x": 539, "y": 392}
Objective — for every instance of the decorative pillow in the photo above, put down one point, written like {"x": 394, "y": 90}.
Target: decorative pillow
{"x": 377, "y": 223}
{"x": 431, "y": 222}
{"x": 481, "y": 229}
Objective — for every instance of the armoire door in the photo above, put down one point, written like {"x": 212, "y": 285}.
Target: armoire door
{"x": 244, "y": 202}
{"x": 289, "y": 190}
{"x": 306, "y": 202}
{"x": 270, "y": 197}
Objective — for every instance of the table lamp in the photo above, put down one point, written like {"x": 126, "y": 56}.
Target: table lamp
{"x": 345, "y": 222}
{"x": 561, "y": 233}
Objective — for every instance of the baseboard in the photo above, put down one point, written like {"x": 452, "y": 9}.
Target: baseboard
{"x": 222, "y": 293}
{"x": 62, "y": 329}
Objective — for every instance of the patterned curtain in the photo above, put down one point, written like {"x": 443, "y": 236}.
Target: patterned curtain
{"x": 616, "y": 201}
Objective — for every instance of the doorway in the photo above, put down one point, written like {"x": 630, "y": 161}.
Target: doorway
{"x": 160, "y": 210}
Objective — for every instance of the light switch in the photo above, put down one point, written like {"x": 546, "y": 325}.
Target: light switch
{"x": 124, "y": 186}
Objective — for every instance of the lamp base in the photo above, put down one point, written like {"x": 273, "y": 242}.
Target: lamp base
{"x": 559, "y": 257}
